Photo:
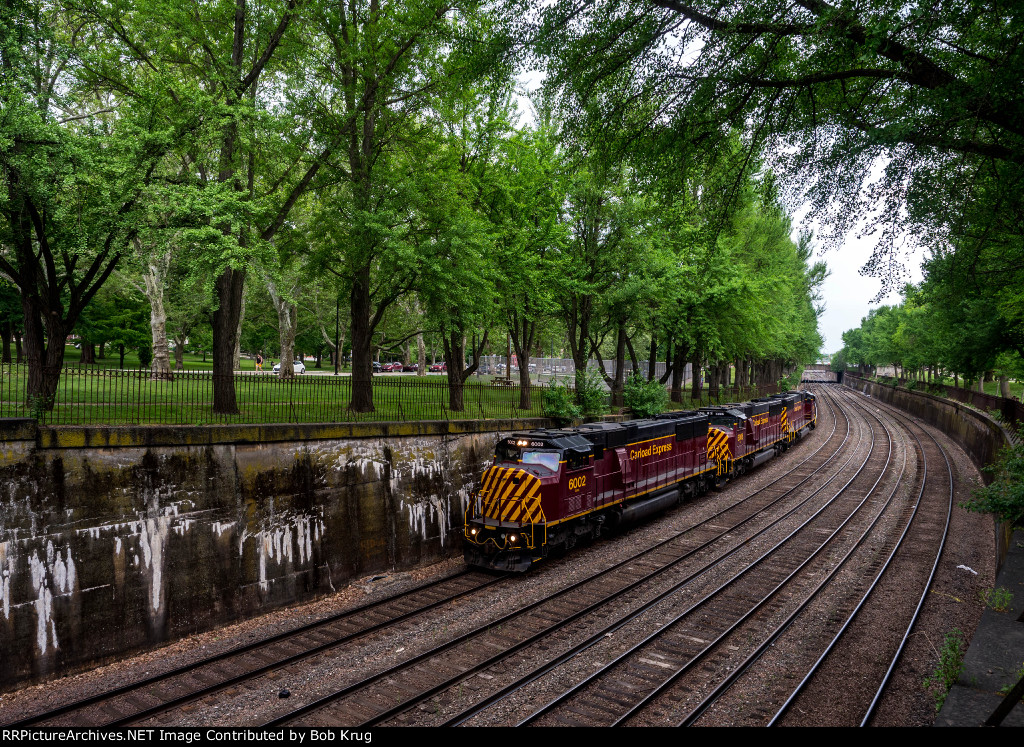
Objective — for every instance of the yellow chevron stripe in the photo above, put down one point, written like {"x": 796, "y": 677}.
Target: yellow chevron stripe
{"x": 506, "y": 500}
{"x": 513, "y": 503}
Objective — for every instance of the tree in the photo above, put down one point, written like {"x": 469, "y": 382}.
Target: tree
{"x": 603, "y": 214}
{"x": 524, "y": 201}
{"x": 378, "y": 68}
{"x": 928, "y": 92}
{"x": 250, "y": 161}
{"x": 73, "y": 168}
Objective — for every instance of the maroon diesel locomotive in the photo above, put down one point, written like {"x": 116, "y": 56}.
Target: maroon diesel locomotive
{"x": 548, "y": 489}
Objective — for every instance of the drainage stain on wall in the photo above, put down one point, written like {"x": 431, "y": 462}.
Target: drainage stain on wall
{"x": 109, "y": 550}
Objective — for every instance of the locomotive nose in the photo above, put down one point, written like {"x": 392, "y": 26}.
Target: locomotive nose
{"x": 510, "y": 494}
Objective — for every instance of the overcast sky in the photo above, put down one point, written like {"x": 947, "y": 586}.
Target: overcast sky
{"x": 847, "y": 293}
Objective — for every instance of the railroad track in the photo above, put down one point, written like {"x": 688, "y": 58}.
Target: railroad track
{"x": 675, "y": 627}
{"x": 156, "y": 694}
{"x": 150, "y": 699}
{"x": 911, "y": 564}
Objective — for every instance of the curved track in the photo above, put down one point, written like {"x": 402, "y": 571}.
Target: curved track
{"x": 747, "y": 615}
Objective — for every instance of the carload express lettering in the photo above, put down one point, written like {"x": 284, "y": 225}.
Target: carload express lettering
{"x": 651, "y": 450}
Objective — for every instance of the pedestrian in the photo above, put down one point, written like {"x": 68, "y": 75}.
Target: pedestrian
{"x": 259, "y": 361}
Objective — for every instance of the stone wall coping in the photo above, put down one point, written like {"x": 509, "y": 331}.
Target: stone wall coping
{"x": 984, "y": 417}
{"x": 96, "y": 436}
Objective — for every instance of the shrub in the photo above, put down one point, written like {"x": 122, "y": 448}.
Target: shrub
{"x": 590, "y": 395}
{"x": 645, "y": 398}
{"x": 1005, "y": 496}
{"x": 560, "y": 403}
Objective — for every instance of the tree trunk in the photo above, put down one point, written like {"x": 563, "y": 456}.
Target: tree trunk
{"x": 45, "y": 359}
{"x": 454, "y": 355}
{"x": 698, "y": 385}
{"x": 88, "y": 353}
{"x": 179, "y": 352}
{"x": 236, "y": 359}
{"x": 229, "y": 287}
{"x": 362, "y": 342}
{"x": 652, "y": 355}
{"x": 7, "y": 332}
{"x": 287, "y": 326}
{"x": 421, "y": 356}
{"x": 161, "y": 367}
{"x": 682, "y": 352}
{"x": 1004, "y": 386}
{"x": 522, "y": 332}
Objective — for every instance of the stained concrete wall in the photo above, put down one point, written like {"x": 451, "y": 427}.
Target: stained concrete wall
{"x": 978, "y": 435}
{"x": 117, "y": 539}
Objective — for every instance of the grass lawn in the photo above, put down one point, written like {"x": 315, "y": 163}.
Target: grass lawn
{"x": 190, "y": 361}
{"x": 95, "y": 395}
{"x": 992, "y": 387}
{"x": 105, "y": 394}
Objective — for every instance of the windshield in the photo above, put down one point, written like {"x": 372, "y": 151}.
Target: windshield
{"x": 546, "y": 459}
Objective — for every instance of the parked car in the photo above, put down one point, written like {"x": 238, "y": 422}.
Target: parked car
{"x": 392, "y": 366}
{"x": 377, "y": 367}
{"x": 411, "y": 367}
{"x": 300, "y": 367}
{"x": 438, "y": 368}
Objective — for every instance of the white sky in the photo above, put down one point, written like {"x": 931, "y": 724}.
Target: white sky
{"x": 847, "y": 293}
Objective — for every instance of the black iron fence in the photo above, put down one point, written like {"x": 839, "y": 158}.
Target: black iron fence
{"x": 88, "y": 395}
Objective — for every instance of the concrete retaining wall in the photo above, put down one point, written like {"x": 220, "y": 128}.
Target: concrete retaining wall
{"x": 976, "y": 433}
{"x": 116, "y": 539}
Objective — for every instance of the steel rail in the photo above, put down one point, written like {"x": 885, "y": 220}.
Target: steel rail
{"x": 622, "y": 658}
{"x": 327, "y": 700}
{"x": 741, "y": 669}
{"x": 246, "y": 648}
{"x": 931, "y": 576}
{"x": 850, "y": 619}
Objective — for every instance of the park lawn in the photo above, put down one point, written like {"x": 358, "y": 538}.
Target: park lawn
{"x": 190, "y": 361}
{"x": 992, "y": 387}
{"x": 94, "y": 395}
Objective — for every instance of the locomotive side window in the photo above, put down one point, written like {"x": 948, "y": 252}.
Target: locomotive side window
{"x": 575, "y": 460}
{"x": 546, "y": 459}
{"x": 506, "y": 453}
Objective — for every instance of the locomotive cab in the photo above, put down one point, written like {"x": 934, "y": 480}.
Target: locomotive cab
{"x": 534, "y": 476}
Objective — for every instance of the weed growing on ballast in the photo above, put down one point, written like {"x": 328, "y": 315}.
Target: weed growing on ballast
{"x": 951, "y": 664}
